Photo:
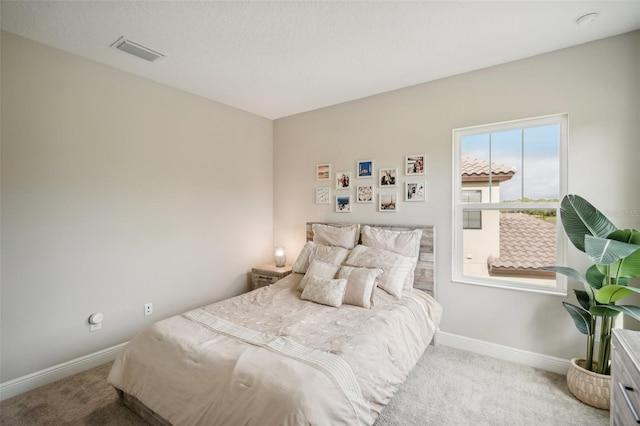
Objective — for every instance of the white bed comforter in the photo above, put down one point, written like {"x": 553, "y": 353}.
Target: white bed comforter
{"x": 269, "y": 358}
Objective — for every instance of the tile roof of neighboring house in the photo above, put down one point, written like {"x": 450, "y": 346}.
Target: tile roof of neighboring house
{"x": 526, "y": 245}
{"x": 478, "y": 170}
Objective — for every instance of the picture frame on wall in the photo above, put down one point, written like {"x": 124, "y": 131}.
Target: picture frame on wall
{"x": 414, "y": 191}
{"x": 387, "y": 177}
{"x": 414, "y": 164}
{"x": 343, "y": 180}
{"x": 388, "y": 202}
{"x": 343, "y": 203}
{"x": 323, "y": 171}
{"x": 323, "y": 195}
{"x": 364, "y": 194}
{"x": 364, "y": 169}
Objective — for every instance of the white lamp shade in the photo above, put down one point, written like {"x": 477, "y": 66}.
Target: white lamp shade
{"x": 280, "y": 256}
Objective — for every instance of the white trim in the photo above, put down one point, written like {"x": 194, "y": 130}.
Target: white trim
{"x": 519, "y": 356}
{"x": 48, "y": 375}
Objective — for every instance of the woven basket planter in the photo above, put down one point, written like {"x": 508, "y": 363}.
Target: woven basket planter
{"x": 591, "y": 388}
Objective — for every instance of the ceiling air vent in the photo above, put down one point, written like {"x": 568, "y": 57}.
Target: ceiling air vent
{"x": 136, "y": 49}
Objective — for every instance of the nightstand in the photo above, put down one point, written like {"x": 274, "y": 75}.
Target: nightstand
{"x": 268, "y": 274}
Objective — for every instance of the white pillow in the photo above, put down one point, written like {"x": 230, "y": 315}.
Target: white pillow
{"x": 396, "y": 267}
{"x": 324, "y": 290}
{"x": 360, "y": 285}
{"x": 318, "y": 269}
{"x": 340, "y": 236}
{"x": 405, "y": 243}
{"x": 312, "y": 251}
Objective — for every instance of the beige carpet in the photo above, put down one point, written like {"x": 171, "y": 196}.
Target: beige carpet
{"x": 447, "y": 387}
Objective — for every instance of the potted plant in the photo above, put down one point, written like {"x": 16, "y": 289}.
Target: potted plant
{"x": 615, "y": 254}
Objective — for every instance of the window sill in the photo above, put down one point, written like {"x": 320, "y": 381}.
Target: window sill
{"x": 558, "y": 290}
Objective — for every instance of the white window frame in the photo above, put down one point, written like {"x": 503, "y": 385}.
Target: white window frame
{"x": 457, "y": 272}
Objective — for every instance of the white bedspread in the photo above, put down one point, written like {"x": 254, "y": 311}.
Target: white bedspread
{"x": 269, "y": 358}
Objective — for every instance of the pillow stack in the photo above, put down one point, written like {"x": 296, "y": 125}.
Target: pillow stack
{"x": 396, "y": 268}
{"x": 338, "y": 270}
{"x": 353, "y": 286}
{"x": 330, "y": 244}
{"x": 403, "y": 243}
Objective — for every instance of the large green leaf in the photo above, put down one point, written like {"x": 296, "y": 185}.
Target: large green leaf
{"x": 581, "y": 318}
{"x": 630, "y": 265}
{"x": 595, "y": 277}
{"x": 604, "y": 251}
{"x": 580, "y": 218}
{"x": 613, "y": 293}
{"x": 632, "y": 311}
{"x": 626, "y": 235}
{"x": 584, "y": 298}
{"x": 568, "y": 271}
{"x": 605, "y": 269}
{"x": 573, "y": 274}
{"x": 603, "y": 311}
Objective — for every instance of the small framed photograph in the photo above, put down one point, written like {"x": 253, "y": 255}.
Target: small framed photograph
{"x": 365, "y": 169}
{"x": 323, "y": 195}
{"x": 414, "y": 165}
{"x": 388, "y": 177}
{"x": 364, "y": 194}
{"x": 323, "y": 171}
{"x": 343, "y": 203}
{"x": 343, "y": 180}
{"x": 414, "y": 191}
{"x": 388, "y": 203}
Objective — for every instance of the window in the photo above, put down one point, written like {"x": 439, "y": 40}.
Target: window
{"x": 471, "y": 219}
{"x": 508, "y": 180}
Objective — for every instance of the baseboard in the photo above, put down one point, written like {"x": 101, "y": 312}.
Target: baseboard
{"x": 519, "y": 356}
{"x": 49, "y": 375}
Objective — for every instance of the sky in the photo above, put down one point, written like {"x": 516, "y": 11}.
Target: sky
{"x": 534, "y": 152}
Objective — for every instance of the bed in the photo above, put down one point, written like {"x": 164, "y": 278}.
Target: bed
{"x": 283, "y": 354}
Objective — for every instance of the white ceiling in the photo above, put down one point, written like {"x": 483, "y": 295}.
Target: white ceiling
{"x": 276, "y": 59}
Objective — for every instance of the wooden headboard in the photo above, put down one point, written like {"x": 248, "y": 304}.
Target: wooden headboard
{"x": 425, "y": 269}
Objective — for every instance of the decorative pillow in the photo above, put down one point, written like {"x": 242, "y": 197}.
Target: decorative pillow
{"x": 324, "y": 290}
{"x": 360, "y": 285}
{"x": 396, "y": 267}
{"x": 318, "y": 269}
{"x": 405, "y": 243}
{"x": 339, "y": 236}
{"x": 312, "y": 251}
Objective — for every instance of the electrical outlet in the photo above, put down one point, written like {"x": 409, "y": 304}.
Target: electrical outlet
{"x": 148, "y": 309}
{"x": 95, "y": 322}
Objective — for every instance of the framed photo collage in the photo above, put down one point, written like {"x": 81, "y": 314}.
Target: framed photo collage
{"x": 372, "y": 185}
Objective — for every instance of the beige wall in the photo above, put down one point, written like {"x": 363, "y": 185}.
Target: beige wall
{"x": 597, "y": 84}
{"x": 117, "y": 191}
